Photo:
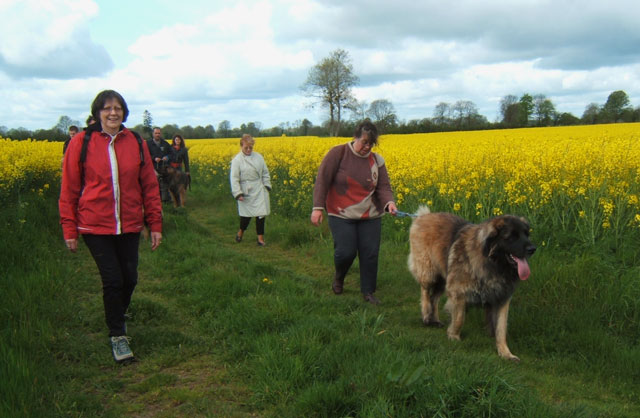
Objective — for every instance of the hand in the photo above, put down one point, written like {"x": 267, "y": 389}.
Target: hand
{"x": 316, "y": 217}
{"x": 392, "y": 209}
{"x": 157, "y": 159}
{"x": 156, "y": 238}
{"x": 72, "y": 244}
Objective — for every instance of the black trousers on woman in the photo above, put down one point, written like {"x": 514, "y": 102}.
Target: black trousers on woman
{"x": 117, "y": 259}
{"x": 245, "y": 220}
{"x": 360, "y": 237}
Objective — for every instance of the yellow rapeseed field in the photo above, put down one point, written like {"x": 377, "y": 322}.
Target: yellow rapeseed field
{"x": 29, "y": 164}
{"x": 576, "y": 177}
{"x": 582, "y": 177}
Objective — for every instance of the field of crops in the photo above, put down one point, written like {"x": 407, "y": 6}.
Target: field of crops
{"x": 583, "y": 179}
{"x": 223, "y": 329}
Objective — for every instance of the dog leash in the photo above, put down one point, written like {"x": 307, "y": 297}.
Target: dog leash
{"x": 401, "y": 214}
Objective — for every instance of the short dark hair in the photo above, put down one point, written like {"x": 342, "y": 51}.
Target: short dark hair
{"x": 101, "y": 99}
{"x": 73, "y": 128}
{"x": 371, "y": 130}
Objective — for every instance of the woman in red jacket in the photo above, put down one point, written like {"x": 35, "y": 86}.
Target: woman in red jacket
{"x": 108, "y": 198}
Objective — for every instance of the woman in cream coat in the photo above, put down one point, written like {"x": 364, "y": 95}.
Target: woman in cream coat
{"x": 250, "y": 186}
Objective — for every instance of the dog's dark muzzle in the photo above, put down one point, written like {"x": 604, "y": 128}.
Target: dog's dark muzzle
{"x": 530, "y": 250}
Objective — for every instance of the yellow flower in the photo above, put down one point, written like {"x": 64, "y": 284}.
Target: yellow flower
{"x": 582, "y": 214}
{"x": 456, "y": 207}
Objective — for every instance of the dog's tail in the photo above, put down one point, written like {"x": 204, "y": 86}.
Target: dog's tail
{"x": 423, "y": 210}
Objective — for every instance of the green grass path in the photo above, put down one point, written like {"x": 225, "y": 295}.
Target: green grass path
{"x": 234, "y": 330}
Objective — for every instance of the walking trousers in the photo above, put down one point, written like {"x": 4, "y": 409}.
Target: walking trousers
{"x": 244, "y": 224}
{"x": 117, "y": 259}
{"x": 361, "y": 237}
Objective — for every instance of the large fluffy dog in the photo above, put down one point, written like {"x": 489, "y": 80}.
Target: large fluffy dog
{"x": 476, "y": 264}
{"x": 177, "y": 182}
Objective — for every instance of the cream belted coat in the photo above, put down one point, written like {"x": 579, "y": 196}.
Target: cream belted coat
{"x": 250, "y": 178}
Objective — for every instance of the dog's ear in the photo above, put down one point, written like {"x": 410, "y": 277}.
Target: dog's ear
{"x": 491, "y": 234}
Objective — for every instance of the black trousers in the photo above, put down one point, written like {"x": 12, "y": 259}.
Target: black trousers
{"x": 117, "y": 259}
{"x": 244, "y": 224}
{"x": 360, "y": 237}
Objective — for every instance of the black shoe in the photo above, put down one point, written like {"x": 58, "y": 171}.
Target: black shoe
{"x": 261, "y": 244}
{"x": 238, "y": 238}
{"x": 369, "y": 297}
{"x": 337, "y": 286}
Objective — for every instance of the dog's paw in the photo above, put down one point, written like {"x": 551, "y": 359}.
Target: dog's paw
{"x": 434, "y": 324}
{"x": 454, "y": 337}
{"x": 509, "y": 356}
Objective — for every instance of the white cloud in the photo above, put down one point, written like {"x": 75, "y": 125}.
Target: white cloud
{"x": 49, "y": 39}
{"x": 244, "y": 61}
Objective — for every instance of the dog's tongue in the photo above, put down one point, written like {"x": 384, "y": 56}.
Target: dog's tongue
{"x": 523, "y": 268}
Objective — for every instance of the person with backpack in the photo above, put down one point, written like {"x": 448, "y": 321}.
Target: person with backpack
{"x": 353, "y": 187}
{"x": 162, "y": 154}
{"x": 108, "y": 194}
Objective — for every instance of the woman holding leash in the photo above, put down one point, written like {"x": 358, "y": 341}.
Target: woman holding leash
{"x": 250, "y": 186}
{"x": 109, "y": 192}
{"x": 353, "y": 187}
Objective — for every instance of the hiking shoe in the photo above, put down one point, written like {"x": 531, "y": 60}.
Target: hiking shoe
{"x": 120, "y": 349}
{"x": 337, "y": 286}
{"x": 371, "y": 299}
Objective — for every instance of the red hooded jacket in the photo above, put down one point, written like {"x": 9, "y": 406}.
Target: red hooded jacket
{"x": 110, "y": 193}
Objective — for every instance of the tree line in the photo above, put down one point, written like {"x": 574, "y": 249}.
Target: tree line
{"x": 329, "y": 84}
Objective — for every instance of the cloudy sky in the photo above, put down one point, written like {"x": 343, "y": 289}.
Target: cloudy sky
{"x": 198, "y": 62}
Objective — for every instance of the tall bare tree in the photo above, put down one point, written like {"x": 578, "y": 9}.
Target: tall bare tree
{"x": 464, "y": 114}
{"x": 383, "y": 114}
{"x": 442, "y": 114}
{"x": 358, "y": 109}
{"x": 64, "y": 122}
{"x": 330, "y": 83}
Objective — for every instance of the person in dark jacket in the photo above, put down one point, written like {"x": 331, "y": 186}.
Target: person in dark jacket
{"x": 108, "y": 198}
{"x": 73, "y": 131}
{"x": 180, "y": 154}
{"x": 162, "y": 155}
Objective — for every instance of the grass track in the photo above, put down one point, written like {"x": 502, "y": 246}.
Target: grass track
{"x": 215, "y": 339}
